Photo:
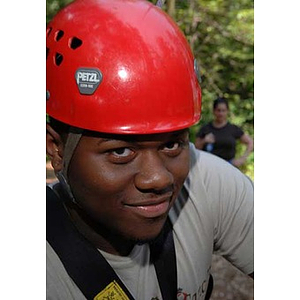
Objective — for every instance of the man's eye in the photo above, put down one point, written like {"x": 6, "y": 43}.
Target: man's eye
{"x": 122, "y": 152}
{"x": 122, "y": 155}
{"x": 172, "y": 146}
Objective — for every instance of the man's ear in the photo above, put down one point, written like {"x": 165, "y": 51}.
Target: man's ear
{"x": 54, "y": 148}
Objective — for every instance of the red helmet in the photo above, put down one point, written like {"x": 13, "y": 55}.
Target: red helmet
{"x": 120, "y": 66}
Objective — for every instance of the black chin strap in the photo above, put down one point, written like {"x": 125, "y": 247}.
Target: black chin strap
{"x": 89, "y": 269}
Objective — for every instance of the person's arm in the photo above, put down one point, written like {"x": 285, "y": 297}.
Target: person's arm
{"x": 247, "y": 140}
{"x": 200, "y": 142}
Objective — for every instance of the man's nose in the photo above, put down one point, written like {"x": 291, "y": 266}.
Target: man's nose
{"x": 153, "y": 174}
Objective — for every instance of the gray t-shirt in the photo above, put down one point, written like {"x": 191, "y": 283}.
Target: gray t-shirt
{"x": 213, "y": 213}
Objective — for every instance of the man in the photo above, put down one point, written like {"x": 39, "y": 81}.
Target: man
{"x": 138, "y": 211}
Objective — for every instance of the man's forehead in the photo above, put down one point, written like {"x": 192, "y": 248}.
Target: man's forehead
{"x": 138, "y": 137}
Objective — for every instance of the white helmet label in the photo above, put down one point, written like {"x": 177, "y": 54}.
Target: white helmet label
{"x": 88, "y": 80}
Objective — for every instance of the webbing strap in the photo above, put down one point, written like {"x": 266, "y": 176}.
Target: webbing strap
{"x": 209, "y": 287}
{"x": 86, "y": 265}
{"x": 163, "y": 255}
{"x": 83, "y": 262}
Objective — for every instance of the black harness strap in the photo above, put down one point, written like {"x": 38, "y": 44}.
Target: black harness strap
{"x": 83, "y": 262}
{"x": 89, "y": 269}
{"x": 162, "y": 254}
{"x": 209, "y": 287}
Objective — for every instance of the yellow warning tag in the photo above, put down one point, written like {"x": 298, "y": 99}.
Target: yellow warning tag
{"x": 112, "y": 292}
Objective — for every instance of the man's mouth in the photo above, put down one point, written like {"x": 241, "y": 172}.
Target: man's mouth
{"x": 151, "y": 208}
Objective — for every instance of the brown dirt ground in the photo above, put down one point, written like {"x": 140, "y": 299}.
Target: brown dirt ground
{"x": 229, "y": 282}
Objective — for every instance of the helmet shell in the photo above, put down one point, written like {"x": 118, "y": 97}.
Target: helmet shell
{"x": 120, "y": 66}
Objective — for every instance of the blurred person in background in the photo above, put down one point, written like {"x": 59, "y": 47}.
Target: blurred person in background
{"x": 219, "y": 136}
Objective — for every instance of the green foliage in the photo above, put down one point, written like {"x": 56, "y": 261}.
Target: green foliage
{"x": 221, "y": 35}
{"x": 53, "y": 6}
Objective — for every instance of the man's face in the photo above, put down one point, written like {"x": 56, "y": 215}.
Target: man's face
{"x": 129, "y": 183}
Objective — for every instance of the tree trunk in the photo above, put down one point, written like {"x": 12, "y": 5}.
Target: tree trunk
{"x": 171, "y": 8}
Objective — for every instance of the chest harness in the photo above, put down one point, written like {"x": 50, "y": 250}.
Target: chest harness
{"x": 90, "y": 270}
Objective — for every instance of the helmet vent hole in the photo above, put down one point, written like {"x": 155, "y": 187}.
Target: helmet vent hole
{"x": 58, "y": 35}
{"x": 75, "y": 43}
{"x": 47, "y": 52}
{"x": 58, "y": 59}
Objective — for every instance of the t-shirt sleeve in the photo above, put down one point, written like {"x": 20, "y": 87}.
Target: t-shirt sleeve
{"x": 230, "y": 195}
{"x": 234, "y": 225}
{"x": 204, "y": 130}
{"x": 238, "y": 132}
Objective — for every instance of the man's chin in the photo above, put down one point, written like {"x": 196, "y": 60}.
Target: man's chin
{"x": 148, "y": 233}
{"x": 148, "y": 239}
